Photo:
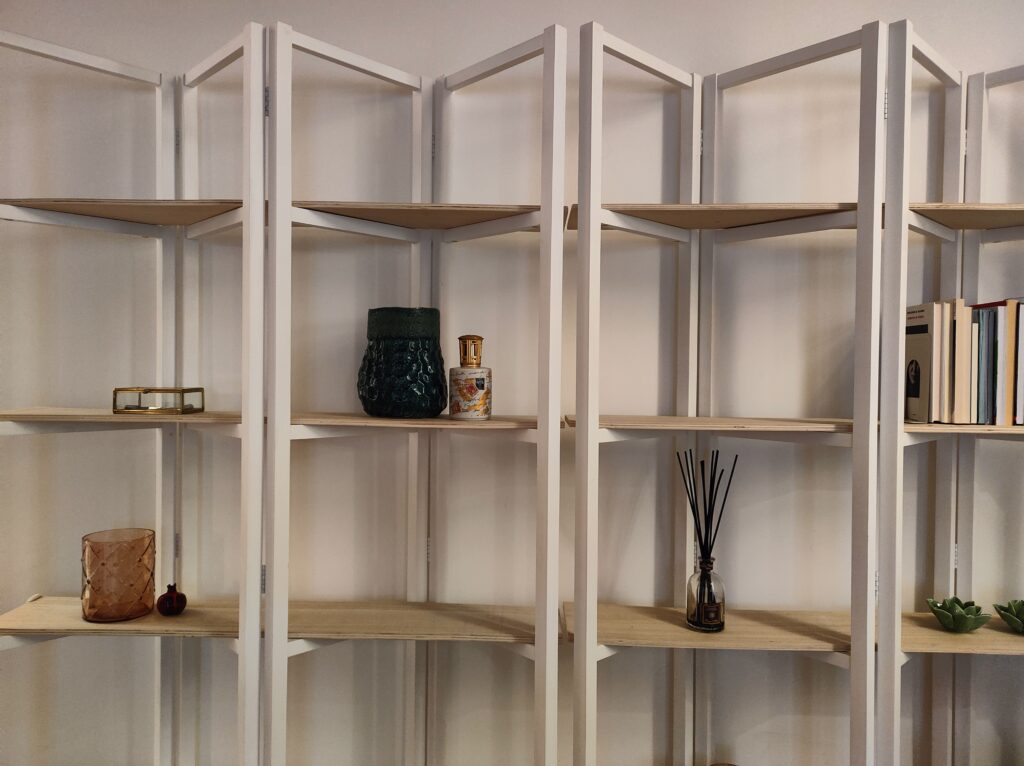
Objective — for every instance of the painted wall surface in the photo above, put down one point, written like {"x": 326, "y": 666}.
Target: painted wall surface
{"x": 76, "y": 319}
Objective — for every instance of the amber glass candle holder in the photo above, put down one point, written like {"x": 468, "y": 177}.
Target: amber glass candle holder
{"x": 117, "y": 574}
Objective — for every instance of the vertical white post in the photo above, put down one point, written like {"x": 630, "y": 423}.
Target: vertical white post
{"x": 947, "y": 450}
{"x": 187, "y": 356}
{"x": 414, "y": 655}
{"x": 549, "y": 397}
{"x": 687, "y": 344}
{"x": 890, "y": 448}
{"x": 252, "y": 396}
{"x": 279, "y": 398}
{"x": 977, "y": 124}
{"x": 865, "y": 405}
{"x": 588, "y": 322}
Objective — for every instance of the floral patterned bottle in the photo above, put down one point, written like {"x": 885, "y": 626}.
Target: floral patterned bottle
{"x": 470, "y": 384}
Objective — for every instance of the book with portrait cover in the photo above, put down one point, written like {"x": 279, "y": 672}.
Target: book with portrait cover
{"x": 922, "y": 349}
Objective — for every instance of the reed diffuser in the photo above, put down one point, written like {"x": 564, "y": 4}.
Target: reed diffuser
{"x": 705, "y": 593}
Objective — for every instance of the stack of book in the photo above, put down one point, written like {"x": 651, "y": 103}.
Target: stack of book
{"x": 964, "y": 363}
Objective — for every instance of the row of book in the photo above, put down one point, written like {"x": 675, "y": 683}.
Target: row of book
{"x": 965, "y": 364}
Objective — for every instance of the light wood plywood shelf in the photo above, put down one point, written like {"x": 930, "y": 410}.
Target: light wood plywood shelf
{"x": 962, "y": 430}
{"x": 682, "y": 423}
{"x": 973, "y": 215}
{"x": 62, "y": 616}
{"x": 163, "y": 212}
{"x": 411, "y": 621}
{"x": 97, "y": 415}
{"x": 721, "y": 215}
{"x": 922, "y": 634}
{"x": 752, "y": 630}
{"x": 440, "y": 423}
{"x": 420, "y": 215}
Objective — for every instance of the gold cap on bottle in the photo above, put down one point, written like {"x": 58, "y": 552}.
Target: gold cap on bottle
{"x": 471, "y": 350}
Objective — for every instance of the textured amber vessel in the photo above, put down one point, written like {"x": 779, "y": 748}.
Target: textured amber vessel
{"x": 117, "y": 574}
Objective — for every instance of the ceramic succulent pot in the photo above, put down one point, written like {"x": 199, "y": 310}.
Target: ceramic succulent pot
{"x": 958, "y": 616}
{"x": 402, "y": 374}
{"x": 1012, "y": 614}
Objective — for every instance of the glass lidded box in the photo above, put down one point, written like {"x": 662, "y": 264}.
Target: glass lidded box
{"x": 158, "y": 401}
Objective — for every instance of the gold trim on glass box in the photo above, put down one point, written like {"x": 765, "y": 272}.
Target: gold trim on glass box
{"x": 182, "y": 408}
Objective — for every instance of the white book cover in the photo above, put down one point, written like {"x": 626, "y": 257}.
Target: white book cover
{"x": 945, "y": 368}
{"x": 920, "y": 394}
{"x": 974, "y": 372}
{"x": 961, "y": 361}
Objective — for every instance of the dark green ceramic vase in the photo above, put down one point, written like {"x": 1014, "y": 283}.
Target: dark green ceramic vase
{"x": 402, "y": 374}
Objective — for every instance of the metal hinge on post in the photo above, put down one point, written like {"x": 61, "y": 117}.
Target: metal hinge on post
{"x": 177, "y": 141}
{"x": 263, "y": 578}
{"x": 177, "y": 545}
{"x": 433, "y": 147}
{"x": 885, "y": 105}
{"x": 956, "y": 556}
{"x": 876, "y": 585}
{"x": 701, "y": 141}
{"x": 266, "y": 101}
{"x": 429, "y": 552}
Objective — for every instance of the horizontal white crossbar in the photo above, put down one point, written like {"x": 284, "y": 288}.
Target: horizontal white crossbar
{"x": 798, "y": 58}
{"x": 17, "y": 642}
{"x": 818, "y": 438}
{"x": 847, "y": 219}
{"x": 929, "y": 58}
{"x": 634, "y": 225}
{"x": 219, "y": 223}
{"x": 229, "y": 430}
{"x": 497, "y": 63}
{"x": 218, "y": 60}
{"x": 1004, "y": 76}
{"x": 355, "y": 62}
{"x": 836, "y": 659}
{"x": 923, "y": 225}
{"x": 301, "y": 432}
{"x": 526, "y": 651}
{"x": 77, "y": 58}
{"x": 22, "y": 428}
{"x": 604, "y": 651}
{"x": 1008, "y": 234}
{"x": 303, "y": 217}
{"x": 299, "y": 646}
{"x": 70, "y": 220}
{"x": 913, "y": 439}
{"x": 645, "y": 62}
{"x": 514, "y": 223}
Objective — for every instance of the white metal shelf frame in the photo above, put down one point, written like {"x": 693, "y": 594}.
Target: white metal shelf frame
{"x": 965, "y": 120}
{"x": 694, "y": 393}
{"x": 425, "y": 458}
{"x": 167, "y": 446}
{"x": 595, "y": 43}
{"x": 872, "y": 42}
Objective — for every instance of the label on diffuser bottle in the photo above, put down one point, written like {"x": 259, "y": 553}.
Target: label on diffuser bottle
{"x": 470, "y": 393}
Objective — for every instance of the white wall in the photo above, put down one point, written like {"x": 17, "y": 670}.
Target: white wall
{"x": 76, "y": 320}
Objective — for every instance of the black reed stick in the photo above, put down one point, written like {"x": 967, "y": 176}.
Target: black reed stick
{"x": 706, "y": 510}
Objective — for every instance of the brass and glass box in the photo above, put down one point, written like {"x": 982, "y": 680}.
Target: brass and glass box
{"x": 158, "y": 401}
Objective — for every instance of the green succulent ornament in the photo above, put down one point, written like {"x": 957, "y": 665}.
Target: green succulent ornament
{"x": 1012, "y": 614}
{"x": 958, "y": 616}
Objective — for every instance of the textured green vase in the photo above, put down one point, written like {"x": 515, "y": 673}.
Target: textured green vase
{"x": 958, "y": 616}
{"x": 402, "y": 374}
{"x": 1012, "y": 614}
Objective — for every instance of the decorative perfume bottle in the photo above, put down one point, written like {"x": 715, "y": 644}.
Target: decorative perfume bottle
{"x": 470, "y": 384}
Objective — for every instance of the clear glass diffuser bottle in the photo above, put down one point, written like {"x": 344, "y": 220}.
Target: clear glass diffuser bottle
{"x": 705, "y": 599}
{"x": 469, "y": 389}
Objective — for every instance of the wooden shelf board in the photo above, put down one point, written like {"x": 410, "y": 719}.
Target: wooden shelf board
{"x": 420, "y": 215}
{"x": 751, "y": 630}
{"x": 91, "y": 415}
{"x": 681, "y": 423}
{"x": 410, "y": 620}
{"x": 62, "y": 615}
{"x": 162, "y": 212}
{"x": 441, "y": 422}
{"x": 922, "y": 634}
{"x": 973, "y": 215}
{"x": 721, "y": 215}
{"x": 964, "y": 430}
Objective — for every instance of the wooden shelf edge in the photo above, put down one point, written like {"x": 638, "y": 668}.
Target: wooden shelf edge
{"x": 922, "y": 634}
{"x": 745, "y": 629}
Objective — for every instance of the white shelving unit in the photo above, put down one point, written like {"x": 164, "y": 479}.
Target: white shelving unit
{"x": 429, "y": 228}
{"x": 173, "y": 223}
{"x": 698, "y": 223}
{"x": 962, "y": 223}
